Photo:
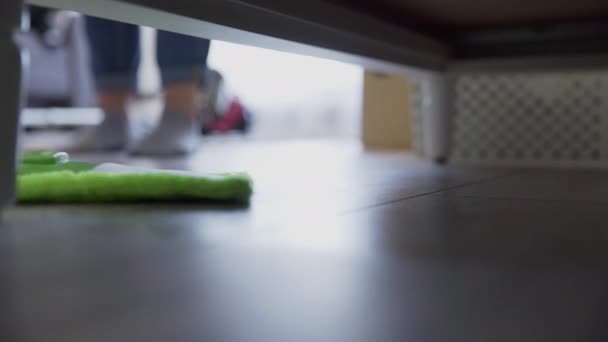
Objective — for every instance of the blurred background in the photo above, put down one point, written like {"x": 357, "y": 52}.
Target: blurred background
{"x": 549, "y": 119}
{"x": 284, "y": 96}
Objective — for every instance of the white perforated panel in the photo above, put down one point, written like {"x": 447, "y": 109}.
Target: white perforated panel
{"x": 530, "y": 117}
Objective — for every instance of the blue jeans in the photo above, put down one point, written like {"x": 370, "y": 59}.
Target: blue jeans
{"x": 115, "y": 54}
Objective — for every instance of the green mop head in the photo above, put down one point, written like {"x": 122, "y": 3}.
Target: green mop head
{"x": 53, "y": 178}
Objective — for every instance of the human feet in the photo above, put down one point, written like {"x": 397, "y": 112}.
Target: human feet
{"x": 111, "y": 135}
{"x": 177, "y": 132}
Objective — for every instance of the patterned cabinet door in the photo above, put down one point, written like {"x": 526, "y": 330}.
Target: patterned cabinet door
{"x": 541, "y": 118}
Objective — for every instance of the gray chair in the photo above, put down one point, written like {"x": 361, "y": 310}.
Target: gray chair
{"x": 59, "y": 73}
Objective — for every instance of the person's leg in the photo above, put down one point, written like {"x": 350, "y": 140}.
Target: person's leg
{"x": 182, "y": 60}
{"x": 114, "y": 52}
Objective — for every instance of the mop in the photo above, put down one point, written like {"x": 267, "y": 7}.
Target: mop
{"x": 54, "y": 178}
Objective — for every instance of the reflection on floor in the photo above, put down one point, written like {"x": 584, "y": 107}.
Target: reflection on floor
{"x": 338, "y": 244}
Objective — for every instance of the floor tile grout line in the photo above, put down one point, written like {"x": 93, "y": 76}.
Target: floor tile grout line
{"x": 566, "y": 200}
{"x": 378, "y": 205}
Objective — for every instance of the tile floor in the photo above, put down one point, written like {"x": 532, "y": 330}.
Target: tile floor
{"x": 338, "y": 244}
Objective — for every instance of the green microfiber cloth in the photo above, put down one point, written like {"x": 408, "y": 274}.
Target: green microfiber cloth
{"x": 53, "y": 178}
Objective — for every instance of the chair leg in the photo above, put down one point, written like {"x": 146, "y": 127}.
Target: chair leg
{"x": 82, "y": 88}
{"x": 12, "y": 66}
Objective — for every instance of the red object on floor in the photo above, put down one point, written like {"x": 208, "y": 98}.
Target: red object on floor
{"x": 235, "y": 118}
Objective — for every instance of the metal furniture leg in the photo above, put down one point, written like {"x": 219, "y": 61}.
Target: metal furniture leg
{"x": 438, "y": 110}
